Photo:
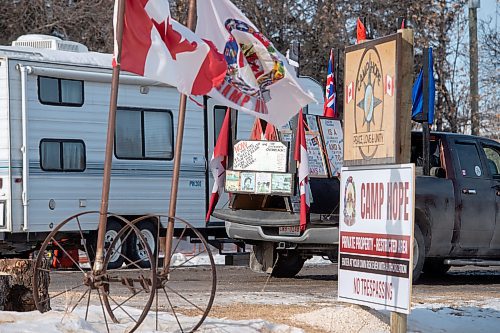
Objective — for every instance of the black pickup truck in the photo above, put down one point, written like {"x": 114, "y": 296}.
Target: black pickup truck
{"x": 457, "y": 208}
{"x": 457, "y": 213}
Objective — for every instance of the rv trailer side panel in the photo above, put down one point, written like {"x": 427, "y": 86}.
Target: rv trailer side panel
{"x": 4, "y": 148}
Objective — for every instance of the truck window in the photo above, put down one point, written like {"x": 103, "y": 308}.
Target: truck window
{"x": 468, "y": 157}
{"x": 62, "y": 155}
{"x": 144, "y": 134}
{"x": 493, "y": 160}
{"x": 55, "y": 91}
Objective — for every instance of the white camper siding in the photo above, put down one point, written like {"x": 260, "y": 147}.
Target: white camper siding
{"x": 4, "y": 147}
{"x": 15, "y": 132}
{"x": 137, "y": 186}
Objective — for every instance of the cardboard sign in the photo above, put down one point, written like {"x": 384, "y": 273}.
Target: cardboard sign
{"x": 334, "y": 144}
{"x": 375, "y": 238}
{"x": 316, "y": 159}
{"x": 270, "y": 156}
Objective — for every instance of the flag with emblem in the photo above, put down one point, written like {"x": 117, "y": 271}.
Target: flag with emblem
{"x": 259, "y": 79}
{"x": 158, "y": 47}
{"x": 218, "y": 164}
{"x": 330, "y": 107}
{"x": 303, "y": 173}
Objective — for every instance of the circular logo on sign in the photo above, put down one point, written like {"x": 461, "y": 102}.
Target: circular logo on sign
{"x": 349, "y": 202}
{"x": 369, "y": 104}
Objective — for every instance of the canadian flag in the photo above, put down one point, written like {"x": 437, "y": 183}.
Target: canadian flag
{"x": 303, "y": 173}
{"x": 259, "y": 134}
{"x": 389, "y": 85}
{"x": 156, "y": 46}
{"x": 350, "y": 92}
{"x": 218, "y": 164}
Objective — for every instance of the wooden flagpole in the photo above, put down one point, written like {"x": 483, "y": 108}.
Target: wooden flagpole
{"x": 177, "y": 159}
{"x": 106, "y": 180}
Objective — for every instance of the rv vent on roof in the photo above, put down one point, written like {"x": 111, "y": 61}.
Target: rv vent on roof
{"x": 49, "y": 42}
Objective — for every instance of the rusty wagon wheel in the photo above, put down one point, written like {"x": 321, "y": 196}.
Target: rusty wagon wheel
{"x": 190, "y": 260}
{"x": 96, "y": 296}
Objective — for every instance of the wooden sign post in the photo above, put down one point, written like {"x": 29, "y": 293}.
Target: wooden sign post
{"x": 376, "y": 240}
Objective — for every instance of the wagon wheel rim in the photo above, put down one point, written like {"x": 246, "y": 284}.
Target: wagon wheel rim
{"x": 169, "y": 297}
{"x": 133, "y": 279}
{"x": 82, "y": 294}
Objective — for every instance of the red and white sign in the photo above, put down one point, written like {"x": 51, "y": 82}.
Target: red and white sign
{"x": 376, "y": 233}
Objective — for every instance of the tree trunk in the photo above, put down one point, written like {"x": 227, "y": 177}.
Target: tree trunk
{"x": 16, "y": 289}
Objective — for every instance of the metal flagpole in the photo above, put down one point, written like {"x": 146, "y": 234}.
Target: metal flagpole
{"x": 177, "y": 159}
{"x": 98, "y": 264}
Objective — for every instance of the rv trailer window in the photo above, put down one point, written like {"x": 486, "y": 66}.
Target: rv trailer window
{"x": 144, "y": 134}
{"x": 219, "y": 115}
{"x": 54, "y": 91}
{"x": 62, "y": 155}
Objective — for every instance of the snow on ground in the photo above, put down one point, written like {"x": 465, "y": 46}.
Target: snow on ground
{"x": 329, "y": 316}
{"x": 473, "y": 317}
{"x": 62, "y": 322}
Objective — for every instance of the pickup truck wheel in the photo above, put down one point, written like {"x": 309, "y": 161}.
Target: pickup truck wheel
{"x": 435, "y": 267}
{"x": 135, "y": 250}
{"x": 418, "y": 253}
{"x": 288, "y": 264}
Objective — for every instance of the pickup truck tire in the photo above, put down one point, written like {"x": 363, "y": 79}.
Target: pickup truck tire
{"x": 288, "y": 264}
{"x": 435, "y": 267}
{"x": 418, "y": 253}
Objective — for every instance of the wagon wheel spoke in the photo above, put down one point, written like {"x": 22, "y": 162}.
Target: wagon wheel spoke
{"x": 179, "y": 302}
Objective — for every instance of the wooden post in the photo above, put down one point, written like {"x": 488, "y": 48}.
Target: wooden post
{"x": 398, "y": 322}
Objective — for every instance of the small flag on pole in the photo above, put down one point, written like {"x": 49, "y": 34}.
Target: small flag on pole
{"x": 360, "y": 31}
{"x": 330, "y": 107}
{"x": 218, "y": 164}
{"x": 417, "y": 94}
{"x": 303, "y": 172}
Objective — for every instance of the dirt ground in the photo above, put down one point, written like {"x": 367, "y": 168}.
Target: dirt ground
{"x": 244, "y": 295}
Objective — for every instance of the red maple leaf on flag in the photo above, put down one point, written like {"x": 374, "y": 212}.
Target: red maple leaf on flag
{"x": 173, "y": 39}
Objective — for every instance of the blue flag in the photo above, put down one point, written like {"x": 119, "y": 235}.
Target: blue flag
{"x": 417, "y": 95}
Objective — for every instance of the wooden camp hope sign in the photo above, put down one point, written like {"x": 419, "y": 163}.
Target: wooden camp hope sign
{"x": 377, "y": 105}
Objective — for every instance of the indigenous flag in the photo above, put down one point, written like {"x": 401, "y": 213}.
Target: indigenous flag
{"x": 303, "y": 174}
{"x": 330, "y": 108}
{"x": 258, "y": 80}
{"x": 156, "y": 46}
{"x": 417, "y": 94}
{"x": 218, "y": 164}
{"x": 360, "y": 31}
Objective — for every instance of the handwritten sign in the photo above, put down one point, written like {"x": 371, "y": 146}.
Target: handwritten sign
{"x": 260, "y": 156}
{"x": 334, "y": 144}
{"x": 317, "y": 166}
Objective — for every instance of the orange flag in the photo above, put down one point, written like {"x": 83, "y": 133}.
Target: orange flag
{"x": 360, "y": 31}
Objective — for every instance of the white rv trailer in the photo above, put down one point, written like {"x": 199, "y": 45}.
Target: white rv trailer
{"x": 54, "y": 101}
